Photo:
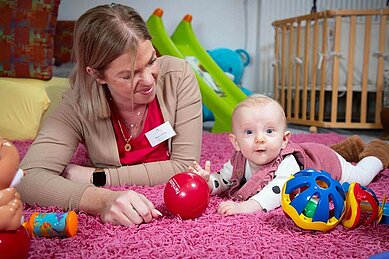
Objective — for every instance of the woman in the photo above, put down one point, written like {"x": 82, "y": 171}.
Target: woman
{"x": 120, "y": 92}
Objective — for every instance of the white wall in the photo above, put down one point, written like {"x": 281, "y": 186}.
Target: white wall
{"x": 217, "y": 23}
{"x": 230, "y": 24}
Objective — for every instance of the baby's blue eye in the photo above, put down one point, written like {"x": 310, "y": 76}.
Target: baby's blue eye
{"x": 248, "y": 132}
{"x": 269, "y": 131}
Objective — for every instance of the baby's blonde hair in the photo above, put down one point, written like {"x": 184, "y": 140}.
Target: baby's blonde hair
{"x": 259, "y": 100}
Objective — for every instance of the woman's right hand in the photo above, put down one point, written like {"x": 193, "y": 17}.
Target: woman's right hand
{"x": 127, "y": 208}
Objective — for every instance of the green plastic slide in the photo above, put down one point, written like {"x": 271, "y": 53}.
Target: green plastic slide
{"x": 219, "y": 93}
{"x": 186, "y": 41}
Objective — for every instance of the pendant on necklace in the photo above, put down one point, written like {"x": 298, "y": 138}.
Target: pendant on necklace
{"x": 127, "y": 147}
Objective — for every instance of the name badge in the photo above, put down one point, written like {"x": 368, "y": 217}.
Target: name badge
{"x": 160, "y": 134}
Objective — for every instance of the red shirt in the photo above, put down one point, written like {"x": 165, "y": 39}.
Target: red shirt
{"x": 141, "y": 150}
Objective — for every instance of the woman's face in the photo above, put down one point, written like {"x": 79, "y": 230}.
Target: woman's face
{"x": 143, "y": 86}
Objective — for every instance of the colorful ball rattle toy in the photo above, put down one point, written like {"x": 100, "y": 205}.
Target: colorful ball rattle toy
{"x": 314, "y": 200}
{"x": 360, "y": 199}
{"x": 186, "y": 195}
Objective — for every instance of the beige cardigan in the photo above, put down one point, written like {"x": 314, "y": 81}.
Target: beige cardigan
{"x": 180, "y": 101}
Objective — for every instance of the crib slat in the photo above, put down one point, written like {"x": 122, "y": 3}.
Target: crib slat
{"x": 335, "y": 77}
{"x": 297, "y": 86}
{"x": 314, "y": 70}
{"x": 276, "y": 65}
{"x": 301, "y": 18}
{"x": 380, "y": 68}
{"x": 283, "y": 56}
{"x": 365, "y": 70}
{"x": 331, "y": 14}
{"x": 323, "y": 71}
{"x": 290, "y": 72}
{"x": 305, "y": 70}
{"x": 297, "y": 83}
{"x": 356, "y": 12}
{"x": 349, "y": 95}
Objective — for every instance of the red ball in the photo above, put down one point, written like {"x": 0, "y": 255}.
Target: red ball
{"x": 186, "y": 195}
{"x": 14, "y": 244}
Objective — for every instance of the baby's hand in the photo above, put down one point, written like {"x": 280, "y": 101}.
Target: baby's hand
{"x": 232, "y": 208}
{"x": 197, "y": 169}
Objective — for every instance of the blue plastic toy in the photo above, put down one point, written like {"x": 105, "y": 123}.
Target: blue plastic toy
{"x": 385, "y": 215}
{"x": 231, "y": 61}
{"x": 314, "y": 200}
{"x": 383, "y": 255}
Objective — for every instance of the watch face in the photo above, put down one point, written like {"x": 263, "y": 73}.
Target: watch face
{"x": 99, "y": 178}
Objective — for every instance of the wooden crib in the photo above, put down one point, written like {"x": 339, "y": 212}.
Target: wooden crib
{"x": 329, "y": 69}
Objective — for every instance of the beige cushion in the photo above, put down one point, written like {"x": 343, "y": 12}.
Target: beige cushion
{"x": 24, "y": 102}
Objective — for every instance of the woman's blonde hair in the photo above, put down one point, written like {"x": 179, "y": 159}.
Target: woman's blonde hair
{"x": 101, "y": 35}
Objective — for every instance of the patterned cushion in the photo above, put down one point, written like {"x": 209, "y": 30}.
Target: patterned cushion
{"x": 26, "y": 37}
{"x": 63, "y": 42}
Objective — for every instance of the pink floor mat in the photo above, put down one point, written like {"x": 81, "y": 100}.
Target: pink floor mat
{"x": 260, "y": 235}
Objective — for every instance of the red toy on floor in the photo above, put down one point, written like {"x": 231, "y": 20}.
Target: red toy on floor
{"x": 186, "y": 195}
{"x": 14, "y": 239}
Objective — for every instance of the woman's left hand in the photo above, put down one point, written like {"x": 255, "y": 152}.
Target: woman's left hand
{"x": 78, "y": 174}
{"x": 232, "y": 208}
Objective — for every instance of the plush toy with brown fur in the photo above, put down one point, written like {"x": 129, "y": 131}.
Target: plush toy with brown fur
{"x": 353, "y": 149}
{"x": 350, "y": 148}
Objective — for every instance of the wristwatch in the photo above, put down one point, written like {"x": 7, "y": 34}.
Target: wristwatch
{"x": 99, "y": 178}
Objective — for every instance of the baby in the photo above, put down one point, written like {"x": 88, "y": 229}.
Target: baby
{"x": 265, "y": 158}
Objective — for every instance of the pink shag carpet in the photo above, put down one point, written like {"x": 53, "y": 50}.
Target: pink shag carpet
{"x": 260, "y": 235}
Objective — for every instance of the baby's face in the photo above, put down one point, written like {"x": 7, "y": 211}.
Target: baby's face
{"x": 259, "y": 132}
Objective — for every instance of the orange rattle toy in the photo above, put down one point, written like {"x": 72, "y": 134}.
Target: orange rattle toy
{"x": 61, "y": 224}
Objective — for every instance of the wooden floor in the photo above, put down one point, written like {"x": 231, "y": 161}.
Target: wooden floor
{"x": 366, "y": 134}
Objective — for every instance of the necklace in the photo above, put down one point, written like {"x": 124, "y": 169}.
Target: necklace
{"x": 127, "y": 146}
